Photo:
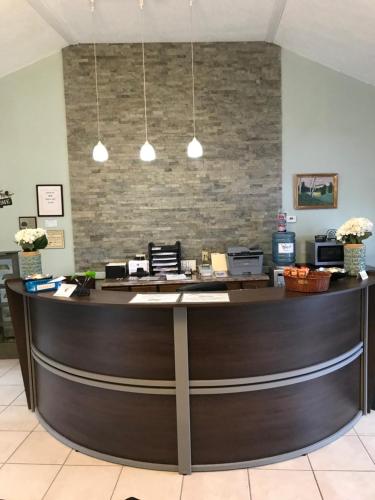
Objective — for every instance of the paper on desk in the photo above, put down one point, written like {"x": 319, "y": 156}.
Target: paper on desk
{"x": 205, "y": 297}
{"x": 175, "y": 277}
{"x": 65, "y": 290}
{"x": 56, "y": 280}
{"x": 155, "y": 298}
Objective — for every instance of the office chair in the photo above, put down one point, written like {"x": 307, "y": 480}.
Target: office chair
{"x": 204, "y": 287}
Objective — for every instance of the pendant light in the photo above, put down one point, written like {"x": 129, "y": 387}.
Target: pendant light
{"x": 194, "y": 149}
{"x": 147, "y": 152}
{"x": 99, "y": 152}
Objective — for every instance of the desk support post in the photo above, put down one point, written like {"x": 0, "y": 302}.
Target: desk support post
{"x": 182, "y": 389}
{"x": 364, "y": 362}
{"x": 26, "y": 309}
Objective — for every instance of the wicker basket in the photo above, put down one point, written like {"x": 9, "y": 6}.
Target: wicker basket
{"x": 314, "y": 282}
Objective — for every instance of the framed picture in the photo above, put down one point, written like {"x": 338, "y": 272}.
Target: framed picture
{"x": 315, "y": 191}
{"x": 27, "y": 222}
{"x": 50, "y": 200}
{"x": 55, "y": 238}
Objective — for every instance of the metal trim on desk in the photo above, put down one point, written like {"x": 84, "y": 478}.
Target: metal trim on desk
{"x": 278, "y": 383}
{"x": 275, "y": 376}
{"x": 103, "y": 378}
{"x": 103, "y": 385}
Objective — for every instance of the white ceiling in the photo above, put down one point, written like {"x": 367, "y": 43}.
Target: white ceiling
{"x": 337, "y": 33}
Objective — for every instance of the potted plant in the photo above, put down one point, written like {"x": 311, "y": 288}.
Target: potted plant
{"x": 84, "y": 283}
{"x": 31, "y": 241}
{"x": 352, "y": 234}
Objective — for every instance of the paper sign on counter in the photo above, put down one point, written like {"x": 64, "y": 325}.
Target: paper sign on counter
{"x": 155, "y": 298}
{"x": 205, "y": 297}
{"x": 65, "y": 290}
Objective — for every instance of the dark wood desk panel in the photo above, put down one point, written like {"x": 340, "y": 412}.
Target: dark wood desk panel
{"x": 226, "y": 428}
{"x": 288, "y": 336}
{"x": 232, "y": 282}
{"x": 109, "y": 421}
{"x": 112, "y": 341}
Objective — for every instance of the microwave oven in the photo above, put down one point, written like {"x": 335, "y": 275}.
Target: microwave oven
{"x": 324, "y": 253}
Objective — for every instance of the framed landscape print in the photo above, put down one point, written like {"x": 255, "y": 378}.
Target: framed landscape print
{"x": 50, "y": 200}
{"x": 315, "y": 191}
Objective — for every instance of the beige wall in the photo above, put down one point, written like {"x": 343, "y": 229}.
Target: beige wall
{"x": 328, "y": 126}
{"x": 33, "y": 151}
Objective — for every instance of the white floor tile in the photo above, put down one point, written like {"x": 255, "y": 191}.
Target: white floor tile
{"x": 21, "y": 400}
{"x": 17, "y": 418}
{"x": 84, "y": 483}
{"x": 39, "y": 428}
{"x": 283, "y": 485}
{"x": 7, "y": 364}
{"x": 227, "y": 485}
{"x": 347, "y": 453}
{"x": 26, "y": 482}
{"x": 9, "y": 441}
{"x": 77, "y": 458}
{"x": 12, "y": 377}
{"x": 299, "y": 463}
{"x": 40, "y": 448}
{"x": 369, "y": 443}
{"x": 9, "y": 393}
{"x": 2, "y": 408}
{"x": 148, "y": 485}
{"x": 346, "y": 485}
{"x": 366, "y": 426}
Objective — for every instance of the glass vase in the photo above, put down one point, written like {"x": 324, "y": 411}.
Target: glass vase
{"x": 354, "y": 258}
{"x": 30, "y": 263}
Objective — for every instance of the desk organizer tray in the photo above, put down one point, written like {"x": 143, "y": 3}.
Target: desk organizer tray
{"x": 40, "y": 285}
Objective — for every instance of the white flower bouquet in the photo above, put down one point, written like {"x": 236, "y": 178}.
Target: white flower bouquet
{"x": 355, "y": 230}
{"x": 31, "y": 240}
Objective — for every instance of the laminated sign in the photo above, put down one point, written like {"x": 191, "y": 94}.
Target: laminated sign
{"x": 5, "y": 198}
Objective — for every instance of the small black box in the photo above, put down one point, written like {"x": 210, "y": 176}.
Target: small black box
{"x": 320, "y": 238}
{"x": 115, "y": 270}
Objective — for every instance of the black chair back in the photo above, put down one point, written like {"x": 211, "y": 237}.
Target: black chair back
{"x": 211, "y": 286}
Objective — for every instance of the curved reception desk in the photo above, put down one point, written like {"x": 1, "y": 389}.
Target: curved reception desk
{"x": 194, "y": 387}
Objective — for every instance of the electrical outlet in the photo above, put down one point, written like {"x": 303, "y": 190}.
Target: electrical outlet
{"x": 291, "y": 219}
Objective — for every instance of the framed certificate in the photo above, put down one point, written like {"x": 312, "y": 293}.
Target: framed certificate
{"x": 50, "y": 200}
{"x": 55, "y": 238}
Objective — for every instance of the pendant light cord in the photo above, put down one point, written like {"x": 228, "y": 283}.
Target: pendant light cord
{"x": 96, "y": 69}
{"x": 192, "y": 62}
{"x": 97, "y": 92}
{"x": 144, "y": 68}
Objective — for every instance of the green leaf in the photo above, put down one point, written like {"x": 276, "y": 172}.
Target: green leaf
{"x": 41, "y": 243}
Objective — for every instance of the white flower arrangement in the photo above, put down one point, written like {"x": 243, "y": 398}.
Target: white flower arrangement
{"x": 31, "y": 240}
{"x": 355, "y": 230}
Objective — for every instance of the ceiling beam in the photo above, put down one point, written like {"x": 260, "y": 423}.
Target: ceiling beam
{"x": 53, "y": 20}
{"x": 275, "y": 20}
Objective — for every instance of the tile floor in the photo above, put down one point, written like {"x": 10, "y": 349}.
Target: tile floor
{"x": 35, "y": 466}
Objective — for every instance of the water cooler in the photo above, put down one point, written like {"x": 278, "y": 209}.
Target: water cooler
{"x": 283, "y": 249}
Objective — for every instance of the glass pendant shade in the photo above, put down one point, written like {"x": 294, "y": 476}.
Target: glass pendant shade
{"x": 194, "y": 149}
{"x": 100, "y": 152}
{"x": 147, "y": 152}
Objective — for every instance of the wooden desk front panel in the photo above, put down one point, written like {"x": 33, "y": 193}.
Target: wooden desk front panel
{"x": 122, "y": 342}
{"x": 238, "y": 342}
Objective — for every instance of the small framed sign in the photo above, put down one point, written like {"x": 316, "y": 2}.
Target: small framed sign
{"x": 50, "y": 200}
{"x": 55, "y": 238}
{"x": 27, "y": 222}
